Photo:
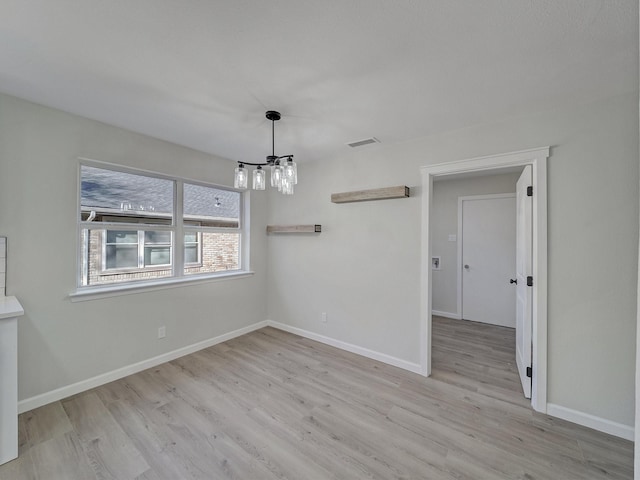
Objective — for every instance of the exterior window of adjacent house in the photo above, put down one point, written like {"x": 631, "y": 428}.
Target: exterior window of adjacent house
{"x": 192, "y": 249}
{"x": 130, "y": 232}
{"x": 134, "y": 250}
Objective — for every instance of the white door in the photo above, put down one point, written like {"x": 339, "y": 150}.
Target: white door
{"x": 488, "y": 258}
{"x": 524, "y": 259}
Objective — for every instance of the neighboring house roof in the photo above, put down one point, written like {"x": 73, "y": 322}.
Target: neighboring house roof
{"x": 109, "y": 190}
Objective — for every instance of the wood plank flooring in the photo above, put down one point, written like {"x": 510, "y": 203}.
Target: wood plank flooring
{"x": 273, "y": 405}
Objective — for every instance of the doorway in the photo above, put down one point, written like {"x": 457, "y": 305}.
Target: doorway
{"x": 537, "y": 159}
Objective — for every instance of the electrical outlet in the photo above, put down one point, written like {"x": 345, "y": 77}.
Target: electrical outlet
{"x": 162, "y": 332}
{"x": 323, "y": 317}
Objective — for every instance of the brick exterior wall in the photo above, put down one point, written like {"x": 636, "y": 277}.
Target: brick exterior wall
{"x": 219, "y": 252}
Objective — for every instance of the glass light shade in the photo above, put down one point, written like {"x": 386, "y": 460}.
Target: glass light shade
{"x": 240, "y": 178}
{"x": 276, "y": 176}
{"x": 258, "y": 179}
{"x": 291, "y": 171}
{"x": 287, "y": 186}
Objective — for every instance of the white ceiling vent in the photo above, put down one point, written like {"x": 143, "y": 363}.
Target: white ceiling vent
{"x": 362, "y": 143}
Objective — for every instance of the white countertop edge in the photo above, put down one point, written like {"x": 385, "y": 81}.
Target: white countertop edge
{"x": 10, "y": 307}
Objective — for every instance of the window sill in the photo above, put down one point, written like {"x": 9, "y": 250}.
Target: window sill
{"x": 106, "y": 291}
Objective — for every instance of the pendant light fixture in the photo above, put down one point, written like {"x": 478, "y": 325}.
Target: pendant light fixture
{"x": 283, "y": 170}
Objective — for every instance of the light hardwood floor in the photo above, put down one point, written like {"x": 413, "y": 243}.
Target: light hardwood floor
{"x": 274, "y": 405}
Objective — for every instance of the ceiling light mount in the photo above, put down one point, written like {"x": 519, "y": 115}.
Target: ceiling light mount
{"x": 273, "y": 115}
{"x": 284, "y": 171}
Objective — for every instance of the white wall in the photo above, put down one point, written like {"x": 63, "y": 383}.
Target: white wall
{"x": 445, "y": 222}
{"x": 364, "y": 271}
{"x": 62, "y": 342}
{"x": 636, "y": 463}
{"x": 637, "y": 390}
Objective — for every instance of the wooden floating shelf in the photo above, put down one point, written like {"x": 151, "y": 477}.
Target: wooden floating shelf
{"x": 386, "y": 193}
{"x": 294, "y": 228}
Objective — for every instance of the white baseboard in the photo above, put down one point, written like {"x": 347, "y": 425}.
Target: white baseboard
{"x": 365, "y": 352}
{"x": 591, "y": 421}
{"x": 75, "y": 388}
{"x": 455, "y": 316}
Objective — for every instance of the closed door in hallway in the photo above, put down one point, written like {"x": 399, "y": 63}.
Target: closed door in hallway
{"x": 488, "y": 258}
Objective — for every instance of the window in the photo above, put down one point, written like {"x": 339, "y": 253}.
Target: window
{"x": 129, "y": 231}
{"x": 192, "y": 249}
{"x": 135, "y": 249}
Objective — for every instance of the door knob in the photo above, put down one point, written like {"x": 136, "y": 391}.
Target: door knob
{"x": 467, "y": 267}
{"x": 513, "y": 281}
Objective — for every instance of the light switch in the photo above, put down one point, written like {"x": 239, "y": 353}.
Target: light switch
{"x": 453, "y": 237}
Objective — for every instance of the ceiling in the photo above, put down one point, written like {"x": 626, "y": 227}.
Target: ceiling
{"x": 201, "y": 73}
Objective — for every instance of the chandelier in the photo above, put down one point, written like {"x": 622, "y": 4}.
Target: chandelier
{"x": 283, "y": 170}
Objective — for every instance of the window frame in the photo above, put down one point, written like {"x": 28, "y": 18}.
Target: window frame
{"x": 178, "y": 226}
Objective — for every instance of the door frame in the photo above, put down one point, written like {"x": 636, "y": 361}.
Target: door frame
{"x": 537, "y": 158}
{"x": 489, "y": 196}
